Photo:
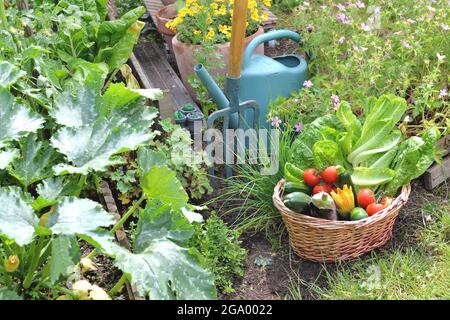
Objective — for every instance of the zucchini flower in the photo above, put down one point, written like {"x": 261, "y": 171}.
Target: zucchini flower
{"x": 12, "y": 263}
{"x": 344, "y": 199}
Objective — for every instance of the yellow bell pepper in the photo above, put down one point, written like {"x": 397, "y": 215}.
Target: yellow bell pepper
{"x": 344, "y": 199}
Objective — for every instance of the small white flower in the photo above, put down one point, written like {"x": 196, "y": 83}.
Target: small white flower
{"x": 365, "y": 27}
{"x": 360, "y": 4}
{"x": 308, "y": 84}
{"x": 440, "y": 57}
{"x": 445, "y": 27}
{"x": 341, "y": 40}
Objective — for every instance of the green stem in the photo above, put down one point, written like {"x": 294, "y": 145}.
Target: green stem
{"x": 3, "y": 15}
{"x": 128, "y": 214}
{"x": 118, "y": 286}
{"x": 34, "y": 263}
{"x": 81, "y": 184}
{"x": 111, "y": 78}
{"x": 121, "y": 222}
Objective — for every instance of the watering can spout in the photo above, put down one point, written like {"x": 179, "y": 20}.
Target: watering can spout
{"x": 213, "y": 89}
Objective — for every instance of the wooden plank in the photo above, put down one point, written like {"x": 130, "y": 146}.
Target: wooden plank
{"x": 437, "y": 174}
{"x": 159, "y": 74}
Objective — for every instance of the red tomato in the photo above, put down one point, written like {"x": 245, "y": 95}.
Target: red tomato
{"x": 329, "y": 175}
{"x": 322, "y": 188}
{"x": 310, "y": 177}
{"x": 365, "y": 197}
{"x": 374, "y": 208}
{"x": 387, "y": 201}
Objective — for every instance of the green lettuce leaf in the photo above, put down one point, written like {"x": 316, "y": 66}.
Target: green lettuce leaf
{"x": 414, "y": 157}
{"x": 369, "y": 177}
{"x": 326, "y": 153}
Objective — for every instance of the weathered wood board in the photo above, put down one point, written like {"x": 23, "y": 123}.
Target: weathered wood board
{"x": 439, "y": 173}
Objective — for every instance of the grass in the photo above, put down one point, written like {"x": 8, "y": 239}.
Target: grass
{"x": 419, "y": 271}
{"x": 247, "y": 198}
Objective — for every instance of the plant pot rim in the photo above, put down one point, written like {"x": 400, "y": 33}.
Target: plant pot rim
{"x": 162, "y": 20}
{"x": 220, "y": 45}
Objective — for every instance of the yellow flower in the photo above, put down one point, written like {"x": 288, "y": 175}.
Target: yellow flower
{"x": 196, "y": 32}
{"x": 267, "y": 3}
{"x": 344, "y": 199}
{"x": 209, "y": 20}
{"x": 254, "y": 15}
{"x": 12, "y": 263}
{"x": 264, "y": 16}
{"x": 210, "y": 35}
{"x": 226, "y": 30}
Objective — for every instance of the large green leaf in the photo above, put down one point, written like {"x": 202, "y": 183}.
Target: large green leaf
{"x": 160, "y": 221}
{"x": 92, "y": 147}
{"x": 83, "y": 108}
{"x": 66, "y": 255}
{"x": 78, "y": 216}
{"x": 53, "y": 188}
{"x": 16, "y": 120}
{"x": 6, "y": 294}
{"x": 147, "y": 158}
{"x": 164, "y": 271}
{"x": 17, "y": 218}
{"x": 9, "y": 74}
{"x": 161, "y": 183}
{"x": 35, "y": 163}
{"x": 7, "y": 156}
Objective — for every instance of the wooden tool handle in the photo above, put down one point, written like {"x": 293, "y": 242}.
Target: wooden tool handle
{"x": 239, "y": 26}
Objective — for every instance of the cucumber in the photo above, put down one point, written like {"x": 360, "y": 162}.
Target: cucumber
{"x": 297, "y": 201}
{"x": 346, "y": 178}
{"x": 290, "y": 187}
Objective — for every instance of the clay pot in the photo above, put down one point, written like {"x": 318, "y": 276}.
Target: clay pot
{"x": 184, "y": 56}
{"x": 168, "y": 2}
{"x": 164, "y": 15}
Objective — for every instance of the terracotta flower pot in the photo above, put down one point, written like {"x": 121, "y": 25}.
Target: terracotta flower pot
{"x": 167, "y": 2}
{"x": 184, "y": 55}
{"x": 164, "y": 15}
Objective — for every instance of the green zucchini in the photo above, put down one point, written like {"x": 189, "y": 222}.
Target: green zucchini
{"x": 297, "y": 201}
{"x": 290, "y": 187}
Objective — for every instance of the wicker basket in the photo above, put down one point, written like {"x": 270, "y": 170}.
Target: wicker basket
{"x": 323, "y": 240}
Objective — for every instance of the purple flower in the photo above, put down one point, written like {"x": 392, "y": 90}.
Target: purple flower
{"x": 336, "y": 101}
{"x": 298, "y": 127}
{"x": 343, "y": 18}
{"x": 276, "y": 122}
{"x": 308, "y": 84}
{"x": 443, "y": 93}
{"x": 406, "y": 44}
{"x": 365, "y": 27}
{"x": 360, "y": 4}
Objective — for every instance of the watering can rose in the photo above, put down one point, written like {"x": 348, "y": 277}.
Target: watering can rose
{"x": 210, "y": 20}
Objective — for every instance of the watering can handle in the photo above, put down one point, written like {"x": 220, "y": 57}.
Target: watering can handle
{"x": 272, "y": 35}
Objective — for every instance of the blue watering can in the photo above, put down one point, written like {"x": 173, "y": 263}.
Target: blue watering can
{"x": 262, "y": 79}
